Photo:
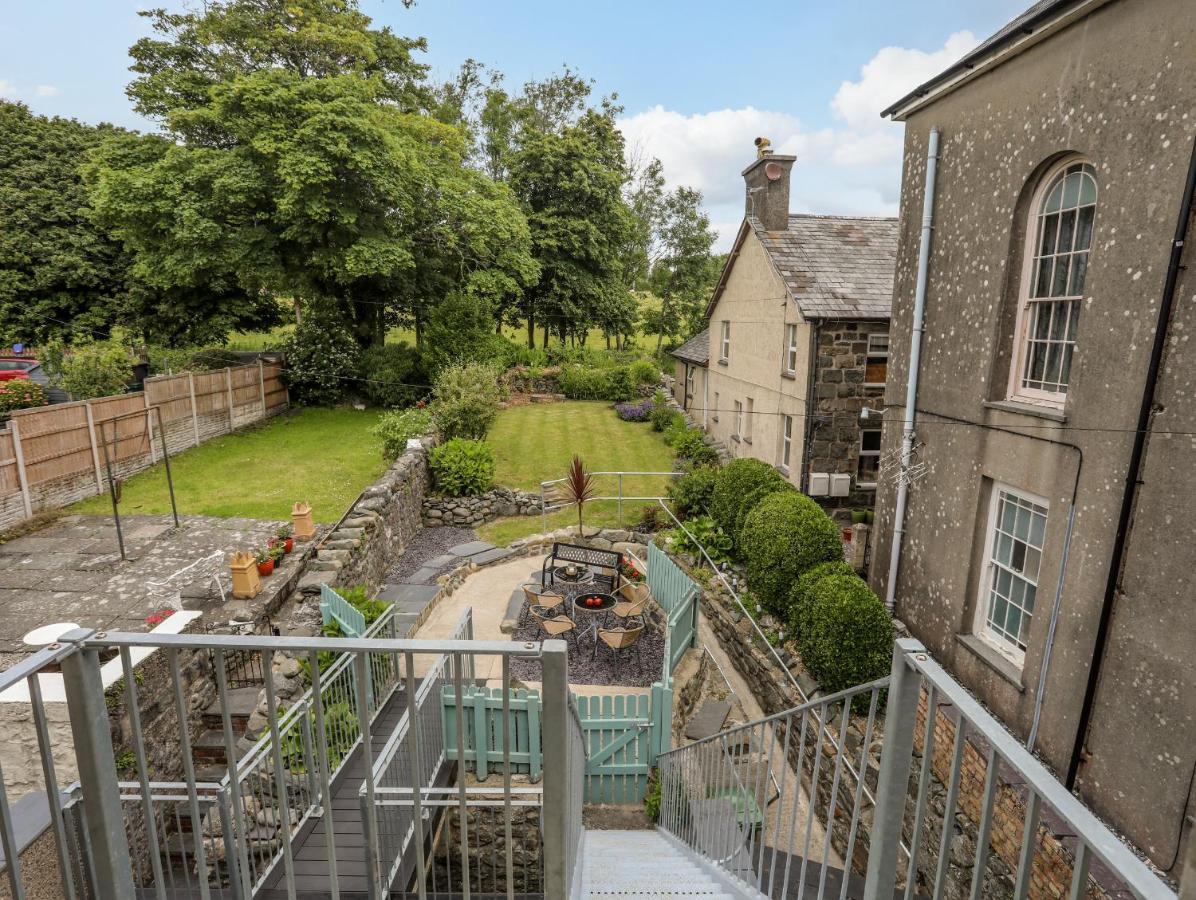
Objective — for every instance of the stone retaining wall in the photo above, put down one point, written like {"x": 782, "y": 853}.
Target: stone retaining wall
{"x": 466, "y": 512}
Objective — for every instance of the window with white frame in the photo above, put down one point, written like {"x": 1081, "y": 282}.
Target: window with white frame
{"x": 747, "y": 420}
{"x": 791, "y": 348}
{"x": 868, "y": 463}
{"x": 1059, "y": 240}
{"x": 876, "y": 365}
{"x": 738, "y": 419}
{"x": 725, "y": 352}
{"x": 786, "y": 441}
{"x": 714, "y": 413}
{"x": 1012, "y": 556}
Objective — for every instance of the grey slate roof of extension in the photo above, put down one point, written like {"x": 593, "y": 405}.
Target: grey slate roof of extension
{"x": 836, "y": 267}
{"x": 696, "y": 350}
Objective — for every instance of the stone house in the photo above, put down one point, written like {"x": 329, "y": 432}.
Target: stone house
{"x": 791, "y": 368}
{"x": 1047, "y": 552}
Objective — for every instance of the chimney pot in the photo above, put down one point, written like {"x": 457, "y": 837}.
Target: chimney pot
{"x": 767, "y": 183}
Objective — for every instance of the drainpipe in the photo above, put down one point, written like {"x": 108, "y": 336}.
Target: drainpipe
{"x": 915, "y": 354}
{"x": 706, "y": 399}
{"x": 1133, "y": 473}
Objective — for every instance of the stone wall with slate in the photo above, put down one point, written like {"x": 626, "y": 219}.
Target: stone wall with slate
{"x": 469, "y": 511}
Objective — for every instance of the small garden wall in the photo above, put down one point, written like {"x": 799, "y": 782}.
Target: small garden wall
{"x": 469, "y": 511}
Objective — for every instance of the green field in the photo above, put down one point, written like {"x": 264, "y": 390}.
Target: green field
{"x": 535, "y": 443}
{"x": 323, "y": 456}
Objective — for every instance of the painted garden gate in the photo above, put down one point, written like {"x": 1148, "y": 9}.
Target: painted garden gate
{"x": 624, "y": 733}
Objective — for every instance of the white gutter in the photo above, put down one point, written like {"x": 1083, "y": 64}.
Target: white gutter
{"x": 915, "y": 354}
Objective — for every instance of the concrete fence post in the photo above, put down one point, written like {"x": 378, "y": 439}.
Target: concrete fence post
{"x": 228, "y": 386}
{"x": 194, "y": 407}
{"x": 95, "y": 447}
{"x": 261, "y": 385}
{"x": 553, "y": 730}
{"x": 22, "y": 478}
{"x": 901, "y": 716}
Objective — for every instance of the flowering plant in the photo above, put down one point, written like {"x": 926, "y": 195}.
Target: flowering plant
{"x": 157, "y": 618}
{"x": 629, "y": 570}
{"x": 634, "y": 412}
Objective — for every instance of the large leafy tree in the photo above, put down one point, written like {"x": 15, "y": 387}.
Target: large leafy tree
{"x": 304, "y": 163}
{"x": 684, "y": 271}
{"x": 571, "y": 186}
{"x": 60, "y": 274}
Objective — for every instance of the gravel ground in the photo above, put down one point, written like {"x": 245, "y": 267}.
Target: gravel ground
{"x": 427, "y": 544}
{"x": 584, "y": 668}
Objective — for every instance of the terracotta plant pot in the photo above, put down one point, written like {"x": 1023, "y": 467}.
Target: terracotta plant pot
{"x": 290, "y": 544}
{"x": 265, "y": 568}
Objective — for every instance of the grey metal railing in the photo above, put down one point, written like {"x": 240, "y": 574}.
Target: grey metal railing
{"x": 230, "y": 838}
{"x": 820, "y": 838}
{"x": 549, "y": 503}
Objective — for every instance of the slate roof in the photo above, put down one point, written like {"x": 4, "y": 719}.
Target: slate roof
{"x": 836, "y": 267}
{"x": 1038, "y": 14}
{"x": 696, "y": 350}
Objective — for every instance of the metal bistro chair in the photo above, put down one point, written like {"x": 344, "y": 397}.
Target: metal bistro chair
{"x": 537, "y": 597}
{"x": 622, "y": 642}
{"x": 556, "y": 626}
{"x": 632, "y": 603}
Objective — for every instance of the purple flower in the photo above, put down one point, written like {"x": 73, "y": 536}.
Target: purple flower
{"x": 634, "y": 412}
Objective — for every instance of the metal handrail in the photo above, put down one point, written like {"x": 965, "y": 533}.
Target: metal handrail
{"x": 545, "y": 508}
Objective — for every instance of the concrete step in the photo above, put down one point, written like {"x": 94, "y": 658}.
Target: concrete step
{"x": 643, "y": 864}
{"x": 208, "y": 749}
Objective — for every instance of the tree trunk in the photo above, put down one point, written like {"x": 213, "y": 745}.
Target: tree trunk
{"x": 531, "y": 331}
{"x": 419, "y": 327}
{"x": 606, "y": 334}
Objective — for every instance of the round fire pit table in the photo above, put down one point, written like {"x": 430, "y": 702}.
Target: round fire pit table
{"x": 587, "y": 617}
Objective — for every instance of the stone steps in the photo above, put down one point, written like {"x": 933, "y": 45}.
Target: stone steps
{"x": 241, "y": 704}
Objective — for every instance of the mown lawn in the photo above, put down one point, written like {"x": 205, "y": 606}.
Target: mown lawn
{"x": 536, "y": 443}
{"x": 323, "y": 456}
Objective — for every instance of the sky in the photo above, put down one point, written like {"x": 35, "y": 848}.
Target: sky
{"x": 698, "y": 81}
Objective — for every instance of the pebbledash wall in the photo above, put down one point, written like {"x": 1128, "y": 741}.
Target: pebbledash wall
{"x": 53, "y": 456}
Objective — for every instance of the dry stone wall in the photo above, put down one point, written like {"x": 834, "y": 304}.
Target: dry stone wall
{"x": 465, "y": 512}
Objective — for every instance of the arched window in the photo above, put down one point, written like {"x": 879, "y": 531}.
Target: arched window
{"x": 1059, "y": 240}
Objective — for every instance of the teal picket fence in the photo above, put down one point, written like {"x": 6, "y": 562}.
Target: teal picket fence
{"x": 335, "y": 608}
{"x": 677, "y": 595}
{"x": 483, "y": 716}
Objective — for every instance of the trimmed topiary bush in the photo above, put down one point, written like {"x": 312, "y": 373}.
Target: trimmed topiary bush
{"x": 691, "y": 492}
{"x": 784, "y": 536}
{"x": 802, "y": 595}
{"x": 738, "y": 489}
{"x": 462, "y": 467}
{"x": 848, "y": 635}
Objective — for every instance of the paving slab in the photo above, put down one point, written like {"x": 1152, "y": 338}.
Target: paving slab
{"x": 470, "y": 548}
{"x": 708, "y": 720}
{"x": 409, "y": 593}
{"x": 424, "y": 575}
{"x": 493, "y": 555}
{"x": 443, "y": 561}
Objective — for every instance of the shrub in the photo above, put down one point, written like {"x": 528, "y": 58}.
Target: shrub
{"x": 392, "y": 376}
{"x": 644, "y": 371}
{"x": 783, "y": 537}
{"x": 459, "y": 329}
{"x": 691, "y": 492}
{"x": 848, "y": 635}
{"x": 662, "y": 415}
{"x": 395, "y": 429}
{"x": 463, "y": 467}
{"x": 321, "y": 361}
{"x": 20, "y": 395}
{"x": 652, "y": 518}
{"x": 465, "y": 401}
{"x": 172, "y": 360}
{"x": 690, "y": 443}
{"x": 586, "y": 383}
{"x": 706, "y": 536}
{"x": 738, "y": 489}
{"x": 802, "y": 594}
{"x": 91, "y": 370}
{"x": 634, "y": 411}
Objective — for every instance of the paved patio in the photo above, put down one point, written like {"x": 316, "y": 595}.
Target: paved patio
{"x": 71, "y": 571}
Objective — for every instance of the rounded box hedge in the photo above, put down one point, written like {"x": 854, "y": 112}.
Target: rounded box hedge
{"x": 848, "y": 636}
{"x": 784, "y": 536}
{"x": 741, "y": 483}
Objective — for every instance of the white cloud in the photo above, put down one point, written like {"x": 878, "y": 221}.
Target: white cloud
{"x": 47, "y": 90}
{"x": 7, "y": 89}
{"x": 850, "y": 170}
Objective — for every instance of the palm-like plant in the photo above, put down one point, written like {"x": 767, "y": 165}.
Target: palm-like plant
{"x": 579, "y": 487}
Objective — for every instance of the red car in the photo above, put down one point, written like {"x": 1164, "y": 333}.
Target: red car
{"x": 16, "y": 368}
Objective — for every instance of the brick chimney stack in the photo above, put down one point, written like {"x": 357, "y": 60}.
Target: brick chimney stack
{"x": 767, "y": 181}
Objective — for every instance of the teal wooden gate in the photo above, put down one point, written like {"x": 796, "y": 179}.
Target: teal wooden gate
{"x": 482, "y": 715}
{"x": 618, "y": 735}
{"x": 677, "y": 595}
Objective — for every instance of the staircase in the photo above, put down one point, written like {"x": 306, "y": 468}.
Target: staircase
{"x": 643, "y": 864}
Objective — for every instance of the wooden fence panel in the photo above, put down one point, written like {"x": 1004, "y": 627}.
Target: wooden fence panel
{"x": 57, "y": 443}
{"x": 482, "y": 715}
